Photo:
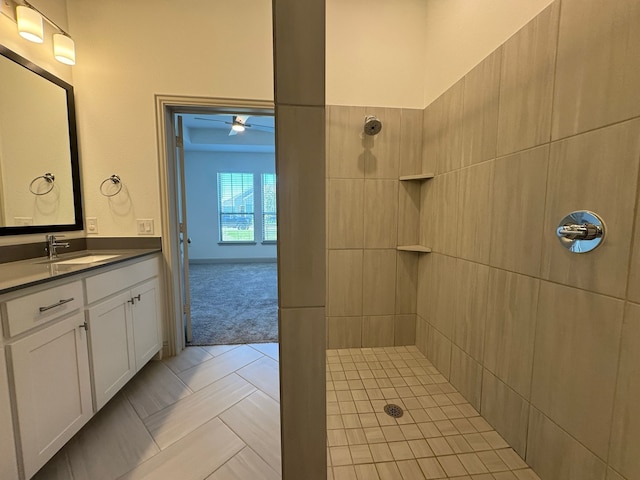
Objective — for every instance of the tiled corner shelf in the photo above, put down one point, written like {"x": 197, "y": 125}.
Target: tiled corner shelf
{"x": 413, "y": 248}
{"x": 419, "y": 177}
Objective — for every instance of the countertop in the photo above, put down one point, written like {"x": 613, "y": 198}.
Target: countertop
{"x": 26, "y": 273}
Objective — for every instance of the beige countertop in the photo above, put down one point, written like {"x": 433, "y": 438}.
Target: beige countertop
{"x": 25, "y": 273}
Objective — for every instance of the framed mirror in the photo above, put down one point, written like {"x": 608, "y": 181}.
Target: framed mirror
{"x": 39, "y": 169}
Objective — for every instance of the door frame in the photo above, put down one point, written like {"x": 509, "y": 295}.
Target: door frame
{"x": 166, "y": 107}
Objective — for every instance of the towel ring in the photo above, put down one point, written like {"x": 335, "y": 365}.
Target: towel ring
{"x": 48, "y": 177}
{"x": 115, "y": 180}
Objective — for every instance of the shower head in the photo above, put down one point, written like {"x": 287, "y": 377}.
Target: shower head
{"x": 372, "y": 125}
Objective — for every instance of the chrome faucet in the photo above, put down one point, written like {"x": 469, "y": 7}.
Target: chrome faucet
{"x": 52, "y": 244}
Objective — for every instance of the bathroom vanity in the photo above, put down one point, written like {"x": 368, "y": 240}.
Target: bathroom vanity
{"x": 75, "y": 330}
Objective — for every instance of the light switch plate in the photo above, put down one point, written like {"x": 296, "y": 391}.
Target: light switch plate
{"x": 92, "y": 225}
{"x": 145, "y": 226}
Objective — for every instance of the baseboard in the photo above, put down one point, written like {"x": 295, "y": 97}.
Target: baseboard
{"x": 200, "y": 261}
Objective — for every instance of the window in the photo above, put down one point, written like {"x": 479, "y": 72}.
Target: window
{"x": 235, "y": 206}
{"x": 269, "y": 216}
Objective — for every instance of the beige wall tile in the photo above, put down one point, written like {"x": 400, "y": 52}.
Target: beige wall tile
{"x": 596, "y": 74}
{"x": 526, "y": 83}
{"x": 554, "y": 454}
{"x": 344, "y": 295}
{"x": 379, "y": 282}
{"x": 422, "y": 329}
{"x": 613, "y": 475}
{"x": 425, "y": 267}
{"x": 344, "y": 332}
{"x": 346, "y": 152}
{"x": 382, "y": 151}
{"x": 298, "y": 32}
{"x": 466, "y": 376}
{"x": 439, "y": 351}
{"x": 410, "y": 141}
{"x": 633, "y": 289}
{"x": 506, "y": 411}
{"x": 518, "y": 211}
{"x": 575, "y": 362}
{"x": 438, "y": 296}
{"x": 301, "y": 206}
{"x": 345, "y": 217}
{"x": 480, "y": 121}
{"x": 377, "y": 331}
{"x": 625, "y": 434}
{"x": 594, "y": 171}
{"x": 511, "y": 328}
{"x": 406, "y": 282}
{"x": 442, "y": 131}
{"x": 474, "y": 219}
{"x": 404, "y": 330}
{"x": 439, "y": 213}
{"x": 471, "y": 307}
{"x": 408, "y": 213}
{"x": 380, "y": 213}
{"x": 302, "y": 380}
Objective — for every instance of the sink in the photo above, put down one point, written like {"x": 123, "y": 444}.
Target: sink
{"x": 84, "y": 260}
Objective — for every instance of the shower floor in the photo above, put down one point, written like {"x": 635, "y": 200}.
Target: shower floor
{"x": 439, "y": 436}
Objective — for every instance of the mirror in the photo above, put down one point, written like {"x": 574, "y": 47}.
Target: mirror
{"x": 39, "y": 171}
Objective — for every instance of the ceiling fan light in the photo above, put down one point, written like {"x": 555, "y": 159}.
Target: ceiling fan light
{"x": 238, "y": 127}
{"x": 30, "y": 24}
{"x": 64, "y": 49}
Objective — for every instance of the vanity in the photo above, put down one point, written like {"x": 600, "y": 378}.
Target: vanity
{"x": 75, "y": 331}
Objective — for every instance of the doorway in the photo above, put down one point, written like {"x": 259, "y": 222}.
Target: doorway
{"x": 227, "y": 225}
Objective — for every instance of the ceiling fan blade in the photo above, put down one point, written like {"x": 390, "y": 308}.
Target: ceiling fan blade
{"x": 211, "y": 120}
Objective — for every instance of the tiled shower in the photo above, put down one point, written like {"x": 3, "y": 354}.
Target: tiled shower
{"x": 542, "y": 342}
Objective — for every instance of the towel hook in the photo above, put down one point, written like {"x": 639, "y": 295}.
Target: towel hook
{"x": 48, "y": 177}
{"x": 115, "y": 180}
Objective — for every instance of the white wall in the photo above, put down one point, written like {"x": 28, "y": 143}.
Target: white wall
{"x": 201, "y": 170}
{"x": 374, "y": 51}
{"x": 460, "y": 33}
{"x": 129, "y": 51}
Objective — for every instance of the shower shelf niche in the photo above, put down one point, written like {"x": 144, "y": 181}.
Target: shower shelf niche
{"x": 419, "y": 177}
{"x": 413, "y": 248}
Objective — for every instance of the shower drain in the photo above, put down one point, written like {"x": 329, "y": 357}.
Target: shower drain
{"x": 393, "y": 410}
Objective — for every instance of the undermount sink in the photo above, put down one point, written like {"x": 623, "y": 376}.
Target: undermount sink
{"x": 84, "y": 260}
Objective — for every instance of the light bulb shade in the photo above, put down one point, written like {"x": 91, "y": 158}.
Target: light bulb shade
{"x": 29, "y": 24}
{"x": 238, "y": 127}
{"x": 64, "y": 49}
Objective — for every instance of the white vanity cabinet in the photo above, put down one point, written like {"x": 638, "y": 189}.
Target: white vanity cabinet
{"x": 8, "y": 464}
{"x": 52, "y": 386}
{"x": 124, "y": 325}
{"x": 70, "y": 344}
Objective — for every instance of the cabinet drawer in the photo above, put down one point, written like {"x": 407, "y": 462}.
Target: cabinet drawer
{"x": 106, "y": 284}
{"x": 35, "y": 309}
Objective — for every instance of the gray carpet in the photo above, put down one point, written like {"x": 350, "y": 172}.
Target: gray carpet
{"x": 233, "y": 303}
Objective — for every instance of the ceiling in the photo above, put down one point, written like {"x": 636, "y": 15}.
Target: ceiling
{"x": 210, "y": 133}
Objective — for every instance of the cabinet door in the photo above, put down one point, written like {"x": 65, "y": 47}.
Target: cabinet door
{"x": 112, "y": 347}
{"x": 8, "y": 467}
{"x": 146, "y": 321}
{"x": 52, "y": 387}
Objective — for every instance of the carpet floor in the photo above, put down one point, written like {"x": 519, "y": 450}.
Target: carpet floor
{"x": 233, "y": 303}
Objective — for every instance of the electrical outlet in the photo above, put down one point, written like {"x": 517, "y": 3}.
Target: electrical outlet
{"x": 23, "y": 221}
{"x": 145, "y": 226}
{"x": 92, "y": 225}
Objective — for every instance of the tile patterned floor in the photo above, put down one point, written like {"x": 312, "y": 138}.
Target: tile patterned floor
{"x": 440, "y": 435}
{"x": 213, "y": 413}
{"x": 210, "y": 413}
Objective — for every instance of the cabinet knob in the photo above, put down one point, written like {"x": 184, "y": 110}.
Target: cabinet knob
{"x": 85, "y": 326}
{"x": 133, "y": 299}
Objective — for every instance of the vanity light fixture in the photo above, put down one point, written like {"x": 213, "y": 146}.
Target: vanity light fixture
{"x": 64, "y": 49}
{"x": 30, "y": 26}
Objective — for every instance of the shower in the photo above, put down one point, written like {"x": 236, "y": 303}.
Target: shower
{"x": 372, "y": 125}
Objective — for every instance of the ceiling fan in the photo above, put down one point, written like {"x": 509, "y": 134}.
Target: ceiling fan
{"x": 238, "y": 124}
